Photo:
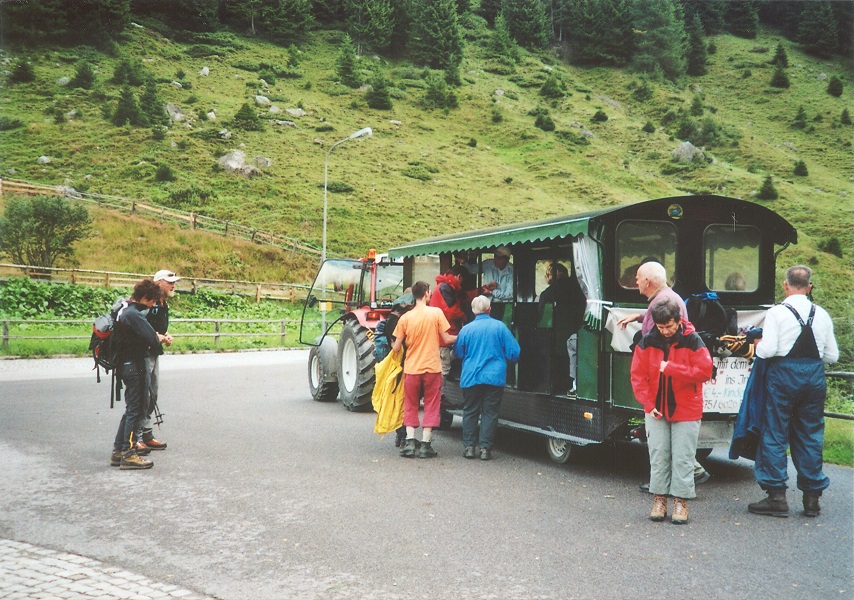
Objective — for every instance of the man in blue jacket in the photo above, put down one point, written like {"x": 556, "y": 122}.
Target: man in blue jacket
{"x": 485, "y": 346}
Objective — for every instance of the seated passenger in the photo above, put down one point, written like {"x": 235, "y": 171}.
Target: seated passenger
{"x": 735, "y": 282}
{"x": 498, "y": 276}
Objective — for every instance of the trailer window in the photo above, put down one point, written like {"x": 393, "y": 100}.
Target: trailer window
{"x": 732, "y": 257}
{"x": 425, "y": 268}
{"x": 639, "y": 242}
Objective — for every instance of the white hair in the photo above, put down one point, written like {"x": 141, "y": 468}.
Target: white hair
{"x": 480, "y": 305}
{"x": 655, "y": 272}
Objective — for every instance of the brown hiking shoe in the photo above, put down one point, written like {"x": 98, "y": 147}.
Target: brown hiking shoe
{"x": 132, "y": 460}
{"x": 659, "y": 508}
{"x": 141, "y": 448}
{"x": 154, "y": 444}
{"x": 680, "y": 511}
{"x": 116, "y": 458}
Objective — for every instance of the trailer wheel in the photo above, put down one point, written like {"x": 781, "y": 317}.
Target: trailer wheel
{"x": 355, "y": 366}
{"x": 322, "y": 379}
{"x": 559, "y": 450}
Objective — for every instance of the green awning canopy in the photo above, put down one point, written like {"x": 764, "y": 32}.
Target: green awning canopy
{"x": 507, "y": 235}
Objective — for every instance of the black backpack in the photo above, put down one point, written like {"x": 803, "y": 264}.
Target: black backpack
{"x": 711, "y": 319}
{"x": 104, "y": 348}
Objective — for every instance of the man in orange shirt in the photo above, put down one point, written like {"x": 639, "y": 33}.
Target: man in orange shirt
{"x": 423, "y": 329}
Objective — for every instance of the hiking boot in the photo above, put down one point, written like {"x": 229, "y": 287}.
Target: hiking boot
{"x": 154, "y": 444}
{"x": 427, "y": 451}
{"x": 116, "y": 458}
{"x": 485, "y": 454}
{"x": 468, "y": 452}
{"x": 142, "y": 449}
{"x": 701, "y": 477}
{"x": 774, "y": 505}
{"x": 811, "y": 506}
{"x": 131, "y": 460}
{"x": 680, "y": 511}
{"x": 659, "y": 508}
{"x": 408, "y": 450}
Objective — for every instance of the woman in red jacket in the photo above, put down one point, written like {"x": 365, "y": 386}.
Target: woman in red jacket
{"x": 455, "y": 303}
{"x": 668, "y": 371}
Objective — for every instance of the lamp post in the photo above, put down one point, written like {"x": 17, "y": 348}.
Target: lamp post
{"x": 364, "y": 132}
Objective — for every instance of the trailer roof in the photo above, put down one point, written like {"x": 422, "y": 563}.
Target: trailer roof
{"x": 776, "y": 227}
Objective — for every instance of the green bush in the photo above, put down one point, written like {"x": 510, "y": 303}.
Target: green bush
{"x": 545, "y": 122}
{"x": 7, "y": 123}
{"x": 801, "y": 169}
{"x": 554, "y": 87}
{"x": 84, "y": 77}
{"x": 22, "y": 72}
{"x": 845, "y": 117}
{"x": 22, "y": 297}
{"x": 768, "y": 191}
{"x": 642, "y": 93}
{"x": 129, "y": 72}
{"x": 831, "y": 245}
{"x": 473, "y": 143}
{"x": 648, "y": 127}
{"x": 164, "y": 173}
{"x": 599, "y": 117}
{"x": 247, "y": 119}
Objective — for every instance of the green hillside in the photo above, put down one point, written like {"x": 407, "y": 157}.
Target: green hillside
{"x": 431, "y": 171}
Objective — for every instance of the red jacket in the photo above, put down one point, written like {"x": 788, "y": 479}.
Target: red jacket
{"x": 677, "y": 393}
{"x": 454, "y": 302}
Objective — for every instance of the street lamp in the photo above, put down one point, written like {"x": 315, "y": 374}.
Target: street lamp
{"x": 364, "y": 132}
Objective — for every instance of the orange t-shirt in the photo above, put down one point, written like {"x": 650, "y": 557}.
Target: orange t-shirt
{"x": 421, "y": 330}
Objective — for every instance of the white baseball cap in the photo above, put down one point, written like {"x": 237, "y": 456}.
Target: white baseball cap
{"x": 166, "y": 275}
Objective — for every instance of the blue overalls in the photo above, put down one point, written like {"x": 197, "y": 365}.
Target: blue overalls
{"x": 794, "y": 415}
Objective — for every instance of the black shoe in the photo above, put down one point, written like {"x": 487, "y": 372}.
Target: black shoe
{"x": 399, "y": 439}
{"x": 408, "y": 450}
{"x": 774, "y": 505}
{"x": 116, "y": 458}
{"x": 644, "y": 487}
{"x": 468, "y": 452}
{"x": 702, "y": 477}
{"x": 485, "y": 454}
{"x": 426, "y": 451}
{"x": 811, "y": 506}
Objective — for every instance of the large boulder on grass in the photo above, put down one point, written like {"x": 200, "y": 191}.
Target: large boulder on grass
{"x": 687, "y": 152}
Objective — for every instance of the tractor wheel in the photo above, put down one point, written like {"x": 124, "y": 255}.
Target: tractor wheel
{"x": 355, "y": 366}
{"x": 322, "y": 369}
{"x": 559, "y": 450}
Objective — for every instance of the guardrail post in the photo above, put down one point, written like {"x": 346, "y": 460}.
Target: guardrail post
{"x": 216, "y": 329}
{"x": 6, "y": 335}
{"x": 284, "y": 329}
{"x": 73, "y": 275}
{"x": 193, "y": 215}
{"x": 107, "y": 280}
{"x": 258, "y": 294}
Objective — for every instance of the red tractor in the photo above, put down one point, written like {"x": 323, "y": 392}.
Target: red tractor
{"x": 348, "y": 299}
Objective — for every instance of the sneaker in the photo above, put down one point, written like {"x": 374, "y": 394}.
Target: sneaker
{"x": 680, "y": 511}
{"x": 141, "y": 448}
{"x": 572, "y": 394}
{"x": 154, "y": 444}
{"x": 702, "y": 477}
{"x": 408, "y": 450}
{"x": 133, "y": 461}
{"x": 485, "y": 454}
{"x": 659, "y": 508}
{"x": 116, "y": 458}
{"x": 427, "y": 451}
{"x": 468, "y": 452}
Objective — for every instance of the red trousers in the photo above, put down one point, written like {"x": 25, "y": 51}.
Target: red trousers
{"x": 428, "y": 386}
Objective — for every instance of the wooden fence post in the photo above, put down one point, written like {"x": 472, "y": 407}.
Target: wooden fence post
{"x": 107, "y": 280}
{"x": 216, "y": 337}
{"x": 284, "y": 330}
{"x": 194, "y": 219}
{"x": 6, "y": 335}
{"x": 258, "y": 294}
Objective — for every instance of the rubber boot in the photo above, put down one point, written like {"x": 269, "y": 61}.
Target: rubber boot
{"x": 774, "y": 505}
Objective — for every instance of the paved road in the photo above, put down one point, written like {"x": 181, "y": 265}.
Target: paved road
{"x": 264, "y": 493}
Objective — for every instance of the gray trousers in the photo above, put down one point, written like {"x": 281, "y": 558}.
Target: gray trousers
{"x": 153, "y": 366}
{"x": 672, "y": 448}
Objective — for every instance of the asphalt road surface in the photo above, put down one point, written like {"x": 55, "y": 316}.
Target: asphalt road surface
{"x": 264, "y": 493}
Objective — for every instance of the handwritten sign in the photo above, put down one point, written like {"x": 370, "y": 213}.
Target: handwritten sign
{"x": 724, "y": 393}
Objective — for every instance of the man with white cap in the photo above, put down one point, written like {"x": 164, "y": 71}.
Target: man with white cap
{"x": 498, "y": 276}
{"x": 158, "y": 318}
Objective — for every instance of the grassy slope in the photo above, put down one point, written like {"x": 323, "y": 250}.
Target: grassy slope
{"x": 515, "y": 172}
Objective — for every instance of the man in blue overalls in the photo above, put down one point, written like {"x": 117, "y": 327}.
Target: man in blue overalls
{"x": 797, "y": 339}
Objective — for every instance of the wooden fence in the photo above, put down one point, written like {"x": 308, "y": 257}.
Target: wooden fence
{"x": 269, "y": 290}
{"x": 86, "y": 325}
{"x": 191, "y": 219}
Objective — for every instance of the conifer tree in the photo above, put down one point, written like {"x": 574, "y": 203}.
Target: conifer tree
{"x": 742, "y": 19}
{"x": 528, "y": 22}
{"x": 151, "y": 105}
{"x": 347, "y": 64}
{"x": 780, "y": 58}
{"x": 696, "y": 48}
{"x": 801, "y": 169}
{"x": 84, "y": 77}
{"x": 599, "y": 32}
{"x": 712, "y": 14}
{"x": 489, "y": 10}
{"x": 768, "y": 191}
{"x": 127, "y": 109}
{"x": 661, "y": 40}
{"x": 834, "y": 86}
{"x": 379, "y": 96}
{"x": 437, "y": 38}
{"x": 370, "y": 22}
{"x": 845, "y": 117}
{"x": 287, "y": 20}
{"x": 800, "y": 121}
{"x": 780, "y": 79}
{"x": 502, "y": 44}
{"x": 818, "y": 31}
{"x": 247, "y": 119}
